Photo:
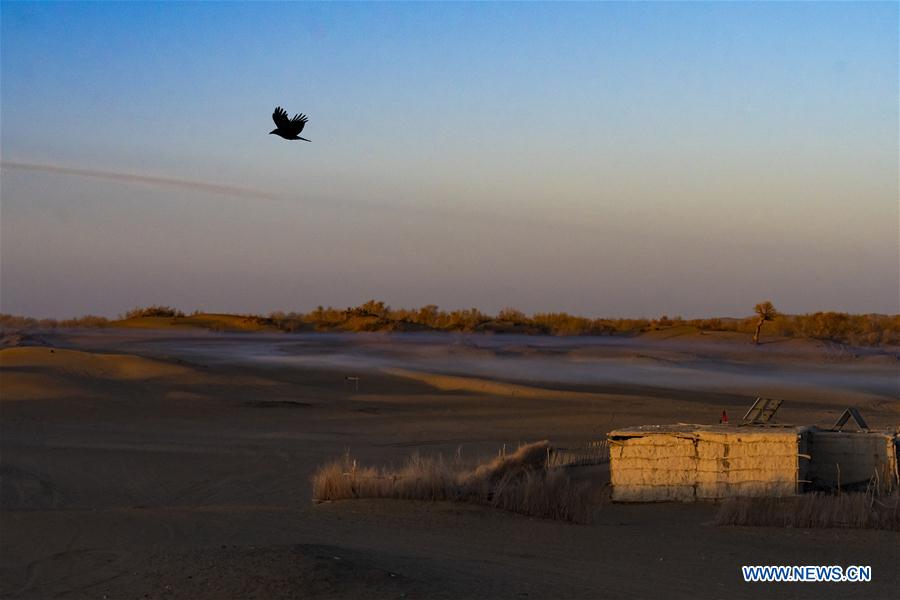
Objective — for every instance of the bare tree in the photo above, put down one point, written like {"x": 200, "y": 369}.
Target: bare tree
{"x": 766, "y": 312}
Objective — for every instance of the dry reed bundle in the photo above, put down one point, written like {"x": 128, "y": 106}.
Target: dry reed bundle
{"x": 817, "y": 510}
{"x": 519, "y": 482}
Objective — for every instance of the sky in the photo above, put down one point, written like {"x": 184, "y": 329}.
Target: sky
{"x": 605, "y": 159}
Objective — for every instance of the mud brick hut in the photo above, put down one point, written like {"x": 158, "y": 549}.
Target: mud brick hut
{"x": 658, "y": 463}
{"x": 685, "y": 463}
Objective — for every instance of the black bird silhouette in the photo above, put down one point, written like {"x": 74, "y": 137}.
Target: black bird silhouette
{"x": 289, "y": 129}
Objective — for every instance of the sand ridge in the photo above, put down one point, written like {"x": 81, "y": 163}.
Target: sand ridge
{"x": 88, "y": 364}
{"x": 454, "y": 383}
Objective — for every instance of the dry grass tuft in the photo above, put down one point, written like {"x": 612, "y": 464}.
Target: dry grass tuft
{"x": 518, "y": 482}
{"x": 546, "y": 493}
{"x": 815, "y": 510}
{"x": 528, "y": 457}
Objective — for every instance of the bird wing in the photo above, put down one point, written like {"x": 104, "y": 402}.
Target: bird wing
{"x": 298, "y": 122}
{"x": 281, "y": 119}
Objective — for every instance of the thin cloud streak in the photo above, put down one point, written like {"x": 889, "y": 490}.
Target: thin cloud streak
{"x": 186, "y": 184}
{"x": 335, "y": 204}
{"x": 539, "y": 222}
{"x": 229, "y": 190}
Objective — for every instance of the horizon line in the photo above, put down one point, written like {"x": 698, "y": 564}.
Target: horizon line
{"x": 494, "y": 315}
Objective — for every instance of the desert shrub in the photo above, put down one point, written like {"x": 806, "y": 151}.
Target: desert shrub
{"x": 372, "y": 308}
{"x": 623, "y": 326}
{"x": 814, "y": 510}
{"x": 707, "y": 324}
{"x": 325, "y": 319}
{"x": 519, "y": 482}
{"x": 290, "y": 322}
{"x": 152, "y": 311}
{"x": 430, "y": 316}
{"x": 466, "y": 319}
{"x": 512, "y": 315}
{"x": 85, "y": 321}
{"x": 16, "y": 322}
{"x": 566, "y": 324}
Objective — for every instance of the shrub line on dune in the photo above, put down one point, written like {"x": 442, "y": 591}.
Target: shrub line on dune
{"x": 853, "y": 329}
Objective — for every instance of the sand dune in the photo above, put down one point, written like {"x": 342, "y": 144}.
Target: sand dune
{"x": 88, "y": 364}
{"x": 484, "y": 386}
{"x": 29, "y": 386}
{"x": 210, "y": 321}
{"x": 31, "y": 372}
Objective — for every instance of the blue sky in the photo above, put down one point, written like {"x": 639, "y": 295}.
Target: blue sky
{"x": 606, "y": 159}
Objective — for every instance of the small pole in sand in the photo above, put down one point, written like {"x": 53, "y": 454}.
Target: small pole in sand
{"x": 355, "y": 381}
{"x": 724, "y": 418}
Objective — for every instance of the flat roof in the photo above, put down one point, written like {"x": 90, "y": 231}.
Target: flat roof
{"x": 691, "y": 428}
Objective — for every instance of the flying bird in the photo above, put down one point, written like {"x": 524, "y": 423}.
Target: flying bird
{"x": 289, "y": 129}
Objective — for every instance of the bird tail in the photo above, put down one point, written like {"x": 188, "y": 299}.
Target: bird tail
{"x": 304, "y": 139}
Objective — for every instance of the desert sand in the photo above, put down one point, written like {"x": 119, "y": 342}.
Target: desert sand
{"x": 176, "y": 464}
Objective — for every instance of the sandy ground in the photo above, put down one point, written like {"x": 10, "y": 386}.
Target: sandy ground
{"x": 176, "y": 465}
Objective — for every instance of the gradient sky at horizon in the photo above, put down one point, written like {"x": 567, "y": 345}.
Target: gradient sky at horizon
{"x": 606, "y": 159}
